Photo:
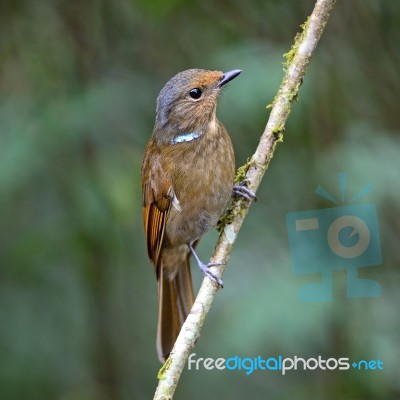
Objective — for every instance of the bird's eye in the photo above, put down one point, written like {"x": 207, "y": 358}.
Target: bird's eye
{"x": 195, "y": 93}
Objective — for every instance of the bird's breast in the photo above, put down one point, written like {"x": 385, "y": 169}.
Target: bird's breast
{"x": 202, "y": 174}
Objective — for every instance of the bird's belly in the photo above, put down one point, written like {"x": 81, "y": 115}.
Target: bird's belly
{"x": 202, "y": 202}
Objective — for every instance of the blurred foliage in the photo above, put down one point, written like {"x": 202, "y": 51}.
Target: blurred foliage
{"x": 78, "y": 82}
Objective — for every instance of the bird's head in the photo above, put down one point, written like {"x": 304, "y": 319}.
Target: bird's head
{"x": 188, "y": 101}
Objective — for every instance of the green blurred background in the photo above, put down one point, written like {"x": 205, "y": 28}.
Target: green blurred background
{"x": 78, "y": 302}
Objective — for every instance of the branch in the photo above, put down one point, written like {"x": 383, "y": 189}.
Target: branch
{"x": 297, "y": 60}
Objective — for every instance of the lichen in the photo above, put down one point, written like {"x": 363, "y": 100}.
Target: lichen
{"x": 297, "y": 40}
{"x": 289, "y": 56}
{"x": 241, "y": 172}
{"x": 277, "y": 133}
{"x": 161, "y": 373}
{"x": 226, "y": 219}
{"x": 270, "y": 105}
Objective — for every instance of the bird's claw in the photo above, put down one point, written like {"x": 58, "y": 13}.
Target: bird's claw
{"x": 242, "y": 190}
{"x": 205, "y": 268}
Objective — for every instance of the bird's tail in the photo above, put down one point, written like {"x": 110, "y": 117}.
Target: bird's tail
{"x": 175, "y": 299}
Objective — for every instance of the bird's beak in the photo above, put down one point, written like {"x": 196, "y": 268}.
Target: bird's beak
{"x": 227, "y": 77}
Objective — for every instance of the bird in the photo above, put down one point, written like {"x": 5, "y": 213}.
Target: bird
{"x": 188, "y": 172}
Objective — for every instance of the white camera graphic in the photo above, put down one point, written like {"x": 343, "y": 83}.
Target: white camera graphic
{"x": 329, "y": 239}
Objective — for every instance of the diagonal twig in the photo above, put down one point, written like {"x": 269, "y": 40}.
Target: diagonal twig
{"x": 297, "y": 60}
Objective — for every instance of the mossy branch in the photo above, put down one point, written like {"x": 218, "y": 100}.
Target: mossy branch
{"x": 297, "y": 60}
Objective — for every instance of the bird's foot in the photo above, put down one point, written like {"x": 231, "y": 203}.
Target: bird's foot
{"x": 205, "y": 268}
{"x": 242, "y": 190}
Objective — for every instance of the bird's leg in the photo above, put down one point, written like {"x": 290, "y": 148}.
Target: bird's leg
{"x": 205, "y": 268}
{"x": 243, "y": 191}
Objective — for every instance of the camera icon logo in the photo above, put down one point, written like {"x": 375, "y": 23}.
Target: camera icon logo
{"x": 345, "y": 237}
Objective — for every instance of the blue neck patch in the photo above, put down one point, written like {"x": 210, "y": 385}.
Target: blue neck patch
{"x": 186, "y": 137}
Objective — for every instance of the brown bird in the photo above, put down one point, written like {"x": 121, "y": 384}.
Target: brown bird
{"x": 187, "y": 180}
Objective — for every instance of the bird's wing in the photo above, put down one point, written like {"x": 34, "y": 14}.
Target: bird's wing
{"x": 157, "y": 198}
